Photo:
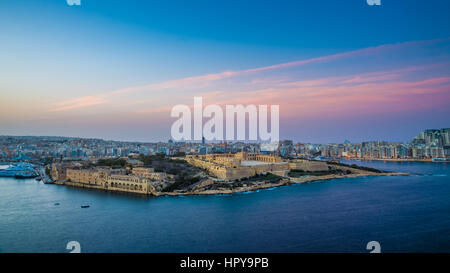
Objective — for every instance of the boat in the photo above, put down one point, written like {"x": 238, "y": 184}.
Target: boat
{"x": 25, "y": 175}
{"x": 439, "y": 159}
{"x": 85, "y": 206}
{"x": 8, "y": 172}
{"x": 19, "y": 170}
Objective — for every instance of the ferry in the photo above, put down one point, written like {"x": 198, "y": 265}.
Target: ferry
{"x": 25, "y": 175}
{"x": 19, "y": 170}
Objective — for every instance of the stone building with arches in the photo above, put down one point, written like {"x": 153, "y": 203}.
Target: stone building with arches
{"x": 111, "y": 180}
{"x": 129, "y": 183}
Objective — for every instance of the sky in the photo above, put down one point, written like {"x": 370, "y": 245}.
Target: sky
{"x": 340, "y": 70}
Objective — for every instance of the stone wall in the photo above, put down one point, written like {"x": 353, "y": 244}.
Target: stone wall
{"x": 143, "y": 171}
{"x": 309, "y": 166}
{"x": 229, "y": 173}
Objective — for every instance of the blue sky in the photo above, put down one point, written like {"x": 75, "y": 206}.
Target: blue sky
{"x": 51, "y": 53}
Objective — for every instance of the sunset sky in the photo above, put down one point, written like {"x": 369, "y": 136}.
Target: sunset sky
{"x": 340, "y": 70}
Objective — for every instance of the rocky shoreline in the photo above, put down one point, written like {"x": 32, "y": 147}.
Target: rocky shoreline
{"x": 266, "y": 181}
{"x": 284, "y": 182}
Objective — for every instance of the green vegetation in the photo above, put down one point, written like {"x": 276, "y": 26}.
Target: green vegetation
{"x": 163, "y": 163}
{"x": 149, "y": 160}
{"x": 47, "y": 161}
{"x": 181, "y": 183}
{"x": 185, "y": 174}
{"x": 299, "y": 173}
{"x": 268, "y": 177}
{"x": 115, "y": 163}
{"x": 265, "y": 178}
{"x": 356, "y": 167}
{"x": 176, "y": 160}
{"x": 48, "y": 172}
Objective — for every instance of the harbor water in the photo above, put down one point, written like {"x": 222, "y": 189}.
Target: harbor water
{"x": 402, "y": 213}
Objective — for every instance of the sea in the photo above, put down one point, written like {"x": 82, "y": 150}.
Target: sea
{"x": 401, "y": 213}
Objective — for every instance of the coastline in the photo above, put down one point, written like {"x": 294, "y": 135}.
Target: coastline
{"x": 284, "y": 182}
{"x": 396, "y": 160}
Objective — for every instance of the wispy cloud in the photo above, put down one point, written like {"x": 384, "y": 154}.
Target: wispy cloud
{"x": 78, "y": 103}
{"x": 204, "y": 81}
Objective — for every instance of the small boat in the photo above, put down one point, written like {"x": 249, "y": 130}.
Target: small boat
{"x": 85, "y": 207}
{"x": 439, "y": 159}
{"x": 56, "y": 204}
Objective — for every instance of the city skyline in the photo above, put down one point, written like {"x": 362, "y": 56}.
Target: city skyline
{"x": 111, "y": 70}
{"x": 220, "y": 141}
{"x": 427, "y": 144}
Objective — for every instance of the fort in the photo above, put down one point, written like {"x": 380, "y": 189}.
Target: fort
{"x": 215, "y": 168}
{"x": 222, "y": 173}
{"x": 228, "y": 167}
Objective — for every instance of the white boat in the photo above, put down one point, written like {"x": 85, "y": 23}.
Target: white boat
{"x": 19, "y": 170}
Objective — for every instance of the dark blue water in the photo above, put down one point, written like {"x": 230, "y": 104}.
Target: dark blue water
{"x": 404, "y": 214}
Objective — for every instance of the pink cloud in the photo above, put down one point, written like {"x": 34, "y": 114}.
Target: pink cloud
{"x": 199, "y": 82}
{"x": 78, "y": 103}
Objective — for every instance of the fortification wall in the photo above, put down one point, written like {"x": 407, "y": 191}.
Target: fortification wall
{"x": 309, "y": 166}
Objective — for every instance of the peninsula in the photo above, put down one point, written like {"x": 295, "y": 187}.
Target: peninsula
{"x": 208, "y": 174}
